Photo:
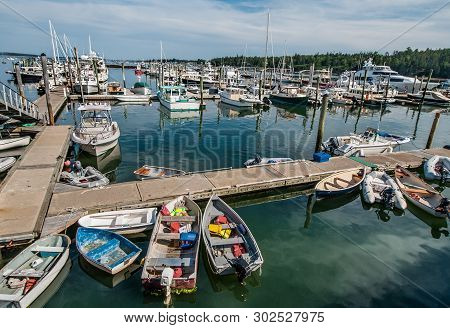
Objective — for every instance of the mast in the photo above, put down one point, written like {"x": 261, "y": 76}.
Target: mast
{"x": 90, "y": 45}
{"x": 53, "y": 40}
{"x": 267, "y": 45}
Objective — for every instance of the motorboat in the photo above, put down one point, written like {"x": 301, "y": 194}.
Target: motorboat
{"x": 431, "y": 98}
{"x": 437, "y": 168}
{"x": 88, "y": 177}
{"x": 175, "y": 98}
{"x": 141, "y": 88}
{"x": 289, "y": 94}
{"x": 9, "y": 143}
{"x": 238, "y": 97}
{"x": 6, "y": 163}
{"x": 379, "y": 187}
{"x": 97, "y": 132}
{"x": 266, "y": 160}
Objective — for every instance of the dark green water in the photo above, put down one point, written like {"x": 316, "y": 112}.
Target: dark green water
{"x": 339, "y": 255}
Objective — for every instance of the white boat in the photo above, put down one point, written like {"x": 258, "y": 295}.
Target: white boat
{"x": 133, "y": 98}
{"x": 6, "y": 163}
{"x": 14, "y": 142}
{"x": 289, "y": 95}
{"x": 370, "y": 142}
{"x": 141, "y": 88}
{"x": 238, "y": 97}
{"x": 89, "y": 84}
{"x": 27, "y": 276}
{"x": 88, "y": 177}
{"x": 437, "y": 168}
{"x": 175, "y": 98}
{"x": 122, "y": 222}
{"x": 266, "y": 160}
{"x": 340, "y": 183}
{"x": 379, "y": 187}
{"x": 431, "y": 98}
{"x": 96, "y": 133}
{"x": 421, "y": 194}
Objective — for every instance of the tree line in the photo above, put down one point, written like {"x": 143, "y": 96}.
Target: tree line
{"x": 408, "y": 62}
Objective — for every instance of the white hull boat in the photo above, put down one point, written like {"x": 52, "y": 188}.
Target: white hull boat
{"x": 122, "y": 222}
{"x": 6, "y": 163}
{"x": 27, "y": 276}
{"x": 89, "y": 177}
{"x": 379, "y": 187}
{"x": 10, "y": 143}
{"x": 437, "y": 168}
{"x": 135, "y": 98}
{"x": 266, "y": 160}
{"x": 174, "y": 98}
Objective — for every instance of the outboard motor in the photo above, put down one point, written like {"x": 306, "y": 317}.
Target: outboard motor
{"x": 257, "y": 160}
{"x": 443, "y": 206}
{"x": 388, "y": 198}
{"x": 242, "y": 269}
{"x": 77, "y": 166}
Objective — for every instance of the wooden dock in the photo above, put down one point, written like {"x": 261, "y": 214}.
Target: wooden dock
{"x": 200, "y": 186}
{"x": 26, "y": 192}
{"x": 58, "y": 98}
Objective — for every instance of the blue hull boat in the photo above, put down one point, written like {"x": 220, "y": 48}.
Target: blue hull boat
{"x": 106, "y": 250}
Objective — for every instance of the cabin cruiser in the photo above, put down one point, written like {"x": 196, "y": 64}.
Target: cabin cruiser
{"x": 89, "y": 85}
{"x": 290, "y": 95}
{"x": 372, "y": 141}
{"x": 97, "y": 132}
{"x": 381, "y": 74}
{"x": 431, "y": 98}
{"x": 175, "y": 98}
{"x": 141, "y": 88}
{"x": 238, "y": 97}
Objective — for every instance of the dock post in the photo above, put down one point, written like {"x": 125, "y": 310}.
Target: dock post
{"x": 69, "y": 65}
{"x": 421, "y": 81}
{"x": 433, "y": 129}
{"x": 202, "y": 104}
{"x": 364, "y": 87}
{"x": 426, "y": 88}
{"x": 123, "y": 76}
{"x": 317, "y": 90}
{"x": 51, "y": 119}
{"x": 54, "y": 72}
{"x": 414, "y": 85}
{"x": 79, "y": 73}
{"x": 19, "y": 83}
{"x": 260, "y": 86}
{"x": 96, "y": 74}
{"x": 321, "y": 128}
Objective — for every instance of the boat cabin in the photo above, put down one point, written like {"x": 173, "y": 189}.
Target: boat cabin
{"x": 173, "y": 93}
{"x": 95, "y": 116}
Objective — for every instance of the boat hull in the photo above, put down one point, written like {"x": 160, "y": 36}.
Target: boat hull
{"x": 289, "y": 100}
{"x": 6, "y": 163}
{"x": 87, "y": 89}
{"x": 235, "y": 103}
{"x": 98, "y": 150}
{"x": 179, "y": 106}
{"x": 14, "y": 142}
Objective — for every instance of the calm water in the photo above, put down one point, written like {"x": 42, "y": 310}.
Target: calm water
{"x": 338, "y": 254}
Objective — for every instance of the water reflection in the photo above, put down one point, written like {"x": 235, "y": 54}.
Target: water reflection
{"x": 106, "y": 163}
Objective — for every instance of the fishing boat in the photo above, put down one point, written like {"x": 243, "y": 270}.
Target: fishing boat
{"x": 9, "y": 143}
{"x": 88, "y": 177}
{"x": 175, "y": 98}
{"x": 437, "y": 168}
{"x": 171, "y": 262}
{"x": 431, "y": 98}
{"x": 97, "y": 132}
{"x": 122, "y": 222}
{"x": 238, "y": 97}
{"x": 266, "y": 160}
{"x": 290, "y": 95}
{"x": 106, "y": 250}
{"x": 155, "y": 172}
{"x": 229, "y": 243}
{"x": 133, "y": 98}
{"x": 6, "y": 163}
{"x": 27, "y": 276}
{"x": 340, "y": 183}
{"x": 141, "y": 88}
{"x": 420, "y": 193}
{"x": 379, "y": 187}
{"x": 372, "y": 141}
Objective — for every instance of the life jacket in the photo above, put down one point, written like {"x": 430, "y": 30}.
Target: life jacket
{"x": 216, "y": 229}
{"x": 221, "y": 219}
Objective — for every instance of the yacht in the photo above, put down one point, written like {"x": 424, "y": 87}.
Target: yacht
{"x": 431, "y": 98}
{"x": 290, "y": 95}
{"x": 238, "y": 97}
{"x": 379, "y": 74}
{"x": 97, "y": 132}
{"x": 372, "y": 141}
{"x": 174, "y": 97}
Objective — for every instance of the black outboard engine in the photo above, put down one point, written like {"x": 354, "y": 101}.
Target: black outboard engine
{"x": 242, "y": 269}
{"x": 443, "y": 206}
{"x": 388, "y": 198}
{"x": 257, "y": 160}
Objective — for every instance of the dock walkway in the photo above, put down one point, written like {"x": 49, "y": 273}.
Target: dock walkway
{"x": 201, "y": 186}
{"x": 57, "y": 99}
{"x": 26, "y": 191}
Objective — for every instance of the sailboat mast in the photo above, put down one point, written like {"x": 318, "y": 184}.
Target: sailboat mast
{"x": 267, "y": 46}
{"x": 90, "y": 45}
{"x": 53, "y": 40}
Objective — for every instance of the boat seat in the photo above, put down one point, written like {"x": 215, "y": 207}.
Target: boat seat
{"x": 48, "y": 249}
{"x": 216, "y": 241}
{"x": 178, "y": 219}
{"x": 170, "y": 262}
{"x": 106, "y": 248}
{"x": 168, "y": 236}
{"x": 27, "y": 273}
{"x": 221, "y": 261}
{"x": 123, "y": 259}
{"x": 230, "y": 225}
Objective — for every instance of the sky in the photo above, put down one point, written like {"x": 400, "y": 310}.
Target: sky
{"x": 190, "y": 29}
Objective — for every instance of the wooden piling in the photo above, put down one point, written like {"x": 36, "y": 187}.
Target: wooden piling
{"x": 260, "y": 86}
{"x": 51, "y": 119}
{"x": 54, "y": 72}
{"x": 123, "y": 75}
{"x": 202, "y": 104}
{"x": 433, "y": 129}
{"x": 75, "y": 51}
{"x": 317, "y": 90}
{"x": 426, "y": 88}
{"x": 414, "y": 85}
{"x": 421, "y": 81}
{"x": 19, "y": 83}
{"x": 364, "y": 87}
{"x": 321, "y": 128}
{"x": 69, "y": 65}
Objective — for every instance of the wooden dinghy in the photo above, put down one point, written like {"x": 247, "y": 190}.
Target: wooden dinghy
{"x": 27, "y": 276}
{"x": 156, "y": 172}
{"x": 6, "y": 163}
{"x": 379, "y": 187}
{"x": 229, "y": 243}
{"x": 121, "y": 222}
{"x": 171, "y": 262}
{"x": 340, "y": 183}
{"x": 420, "y": 193}
{"x": 10, "y": 143}
{"x": 106, "y": 250}
{"x": 437, "y": 168}
{"x": 88, "y": 177}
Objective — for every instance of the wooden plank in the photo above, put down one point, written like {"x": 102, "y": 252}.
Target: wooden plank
{"x": 178, "y": 219}
{"x": 59, "y": 223}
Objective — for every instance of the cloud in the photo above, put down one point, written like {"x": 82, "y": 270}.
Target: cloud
{"x": 204, "y": 29}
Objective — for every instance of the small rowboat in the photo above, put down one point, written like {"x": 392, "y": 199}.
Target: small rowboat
{"x": 340, "y": 183}
{"x": 229, "y": 243}
{"x": 171, "y": 262}
{"x": 379, "y": 187}
{"x": 133, "y": 98}
{"x": 266, "y": 160}
{"x": 421, "y": 194}
{"x": 437, "y": 168}
{"x": 28, "y": 275}
{"x": 14, "y": 142}
{"x": 6, "y": 163}
{"x": 121, "y": 222}
{"x": 106, "y": 250}
{"x": 156, "y": 172}
{"x": 86, "y": 178}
